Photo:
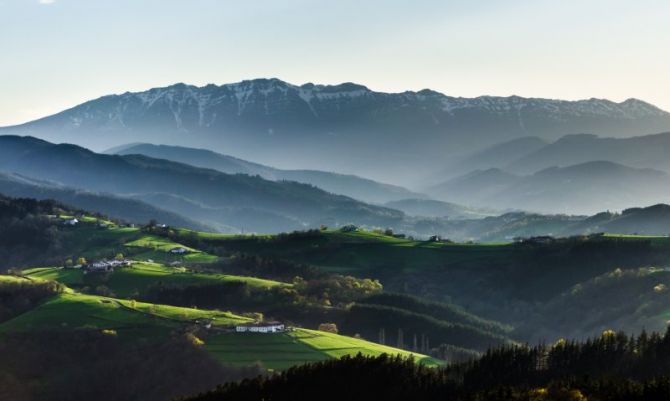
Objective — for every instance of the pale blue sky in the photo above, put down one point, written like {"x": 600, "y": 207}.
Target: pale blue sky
{"x": 57, "y": 53}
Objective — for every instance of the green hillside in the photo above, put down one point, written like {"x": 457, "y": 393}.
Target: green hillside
{"x": 127, "y": 281}
{"x": 138, "y": 321}
{"x": 283, "y": 350}
{"x": 158, "y": 248}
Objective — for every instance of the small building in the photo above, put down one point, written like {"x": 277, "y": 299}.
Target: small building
{"x": 178, "y": 251}
{"x": 99, "y": 267}
{"x": 263, "y": 327}
{"x": 71, "y": 222}
{"x": 106, "y": 265}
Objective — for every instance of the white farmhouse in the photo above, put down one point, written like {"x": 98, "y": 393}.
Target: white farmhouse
{"x": 178, "y": 251}
{"x": 264, "y": 327}
{"x": 71, "y": 222}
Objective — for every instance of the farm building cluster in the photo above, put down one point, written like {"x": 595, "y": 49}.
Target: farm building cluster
{"x": 264, "y": 327}
{"x": 105, "y": 265}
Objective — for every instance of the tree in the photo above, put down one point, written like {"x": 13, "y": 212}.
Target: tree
{"x": 81, "y": 261}
{"x": 329, "y": 328}
{"x": 104, "y": 291}
{"x": 119, "y": 256}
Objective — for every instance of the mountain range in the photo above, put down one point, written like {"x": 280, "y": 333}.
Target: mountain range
{"x": 392, "y": 137}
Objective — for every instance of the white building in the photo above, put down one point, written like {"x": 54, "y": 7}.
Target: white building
{"x": 71, "y": 222}
{"x": 107, "y": 265}
{"x": 179, "y": 251}
{"x": 265, "y": 327}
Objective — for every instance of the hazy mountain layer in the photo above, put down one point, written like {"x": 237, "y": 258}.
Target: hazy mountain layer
{"x": 349, "y": 185}
{"x": 130, "y": 210}
{"x": 434, "y": 208}
{"x": 240, "y": 201}
{"x": 496, "y": 156}
{"x": 649, "y": 151}
{"x": 580, "y": 189}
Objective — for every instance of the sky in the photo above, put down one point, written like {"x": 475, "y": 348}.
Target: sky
{"x": 55, "y": 54}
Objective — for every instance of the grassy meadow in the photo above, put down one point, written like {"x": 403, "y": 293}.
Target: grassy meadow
{"x": 129, "y": 281}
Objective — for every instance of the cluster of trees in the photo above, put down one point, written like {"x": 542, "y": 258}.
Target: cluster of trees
{"x": 586, "y": 308}
{"x": 20, "y": 296}
{"x": 612, "y": 367}
{"x": 266, "y": 267}
{"x": 407, "y": 329}
{"x": 612, "y": 354}
{"x": 438, "y": 310}
{"x": 92, "y": 365}
{"x": 349, "y": 378}
{"x": 28, "y": 236}
{"x": 336, "y": 289}
{"x": 238, "y": 295}
{"x": 26, "y": 232}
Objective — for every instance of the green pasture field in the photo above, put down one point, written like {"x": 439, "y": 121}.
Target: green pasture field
{"x": 127, "y": 281}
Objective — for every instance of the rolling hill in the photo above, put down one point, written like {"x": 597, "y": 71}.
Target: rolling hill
{"x": 510, "y": 282}
{"x": 497, "y": 156}
{"x": 240, "y": 201}
{"x": 349, "y": 185}
{"x": 585, "y": 188}
{"x": 346, "y": 128}
{"x": 646, "y": 151}
{"x": 474, "y": 187}
{"x": 138, "y": 321}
